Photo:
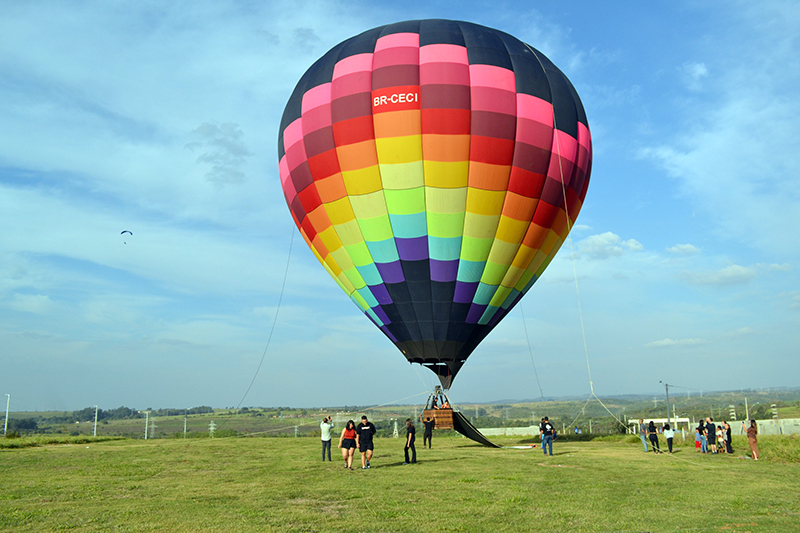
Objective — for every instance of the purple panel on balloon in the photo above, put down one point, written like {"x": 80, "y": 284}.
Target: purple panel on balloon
{"x": 414, "y": 249}
{"x": 382, "y": 315}
{"x": 465, "y": 292}
{"x": 388, "y": 333}
{"x": 391, "y": 272}
{"x": 444, "y": 270}
{"x": 381, "y": 294}
{"x": 475, "y": 313}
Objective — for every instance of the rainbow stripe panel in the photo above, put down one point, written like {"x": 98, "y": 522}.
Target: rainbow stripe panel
{"x": 435, "y": 168}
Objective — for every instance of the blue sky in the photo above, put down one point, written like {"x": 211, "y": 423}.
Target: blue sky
{"x": 162, "y": 119}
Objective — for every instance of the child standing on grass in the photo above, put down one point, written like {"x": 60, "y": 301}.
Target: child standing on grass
{"x": 669, "y": 434}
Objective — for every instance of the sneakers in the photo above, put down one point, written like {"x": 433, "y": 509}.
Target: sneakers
{"x": 367, "y": 464}
{"x": 406, "y": 463}
{"x": 364, "y": 467}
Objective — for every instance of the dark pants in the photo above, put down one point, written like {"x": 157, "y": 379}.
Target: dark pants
{"x": 326, "y": 445}
{"x": 669, "y": 444}
{"x": 427, "y": 437}
{"x": 654, "y": 442}
{"x": 410, "y": 445}
{"x": 728, "y": 446}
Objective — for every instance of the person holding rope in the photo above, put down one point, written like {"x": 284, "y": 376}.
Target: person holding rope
{"x": 427, "y": 435}
{"x": 652, "y": 432}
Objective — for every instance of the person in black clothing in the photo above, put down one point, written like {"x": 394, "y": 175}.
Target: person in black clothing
{"x": 411, "y": 435}
{"x": 728, "y": 444}
{"x": 711, "y": 434}
{"x": 427, "y": 435}
{"x": 652, "y": 433}
{"x": 364, "y": 432}
{"x": 548, "y": 434}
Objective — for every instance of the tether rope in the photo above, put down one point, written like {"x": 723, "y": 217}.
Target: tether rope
{"x": 572, "y": 256}
{"x": 274, "y": 321}
{"x": 530, "y": 351}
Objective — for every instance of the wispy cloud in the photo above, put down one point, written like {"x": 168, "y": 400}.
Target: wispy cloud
{"x": 668, "y": 343}
{"x": 684, "y": 249}
{"x": 221, "y": 147}
{"x": 694, "y": 74}
{"x": 729, "y": 275}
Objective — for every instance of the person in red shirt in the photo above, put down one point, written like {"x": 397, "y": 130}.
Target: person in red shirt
{"x": 347, "y": 442}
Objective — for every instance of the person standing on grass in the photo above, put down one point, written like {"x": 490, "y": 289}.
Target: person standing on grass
{"x": 325, "y": 433}
{"x": 411, "y": 435}
{"x": 728, "y": 442}
{"x": 547, "y": 436}
{"x": 752, "y": 438}
{"x": 711, "y": 434}
{"x": 364, "y": 432}
{"x": 652, "y": 432}
{"x": 643, "y": 433}
{"x": 347, "y": 442}
{"x": 669, "y": 434}
{"x": 701, "y": 428}
{"x": 427, "y": 435}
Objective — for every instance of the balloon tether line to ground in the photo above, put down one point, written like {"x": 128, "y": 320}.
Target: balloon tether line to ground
{"x": 274, "y": 321}
{"x": 574, "y": 268}
{"x": 530, "y": 351}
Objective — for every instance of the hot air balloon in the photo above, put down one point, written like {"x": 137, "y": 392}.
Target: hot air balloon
{"x": 434, "y": 168}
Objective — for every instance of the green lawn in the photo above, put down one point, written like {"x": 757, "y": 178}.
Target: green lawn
{"x": 263, "y": 484}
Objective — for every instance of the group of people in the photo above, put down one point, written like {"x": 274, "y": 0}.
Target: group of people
{"x": 708, "y": 438}
{"x": 717, "y": 437}
{"x": 650, "y": 432}
{"x": 360, "y": 436}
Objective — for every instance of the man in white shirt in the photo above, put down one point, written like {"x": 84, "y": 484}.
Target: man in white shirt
{"x": 325, "y": 430}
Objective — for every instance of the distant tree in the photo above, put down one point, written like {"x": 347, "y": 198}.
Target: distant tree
{"x": 19, "y": 425}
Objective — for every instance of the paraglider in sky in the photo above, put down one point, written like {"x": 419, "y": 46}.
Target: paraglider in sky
{"x": 434, "y": 168}
{"x": 123, "y": 232}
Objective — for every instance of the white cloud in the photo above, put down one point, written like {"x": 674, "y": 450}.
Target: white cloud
{"x": 693, "y": 75}
{"x": 31, "y": 303}
{"x": 736, "y": 159}
{"x": 729, "y": 275}
{"x": 666, "y": 343}
{"x": 684, "y": 249}
{"x": 607, "y": 245}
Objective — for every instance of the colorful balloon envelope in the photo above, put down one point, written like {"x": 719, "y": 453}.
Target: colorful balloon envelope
{"x": 434, "y": 168}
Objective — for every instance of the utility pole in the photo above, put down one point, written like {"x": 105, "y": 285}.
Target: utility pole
{"x": 95, "y": 421}
{"x": 146, "y": 423}
{"x": 8, "y": 403}
{"x": 184, "y": 425}
{"x": 666, "y": 385}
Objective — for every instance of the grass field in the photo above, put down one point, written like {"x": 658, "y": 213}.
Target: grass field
{"x": 276, "y": 484}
